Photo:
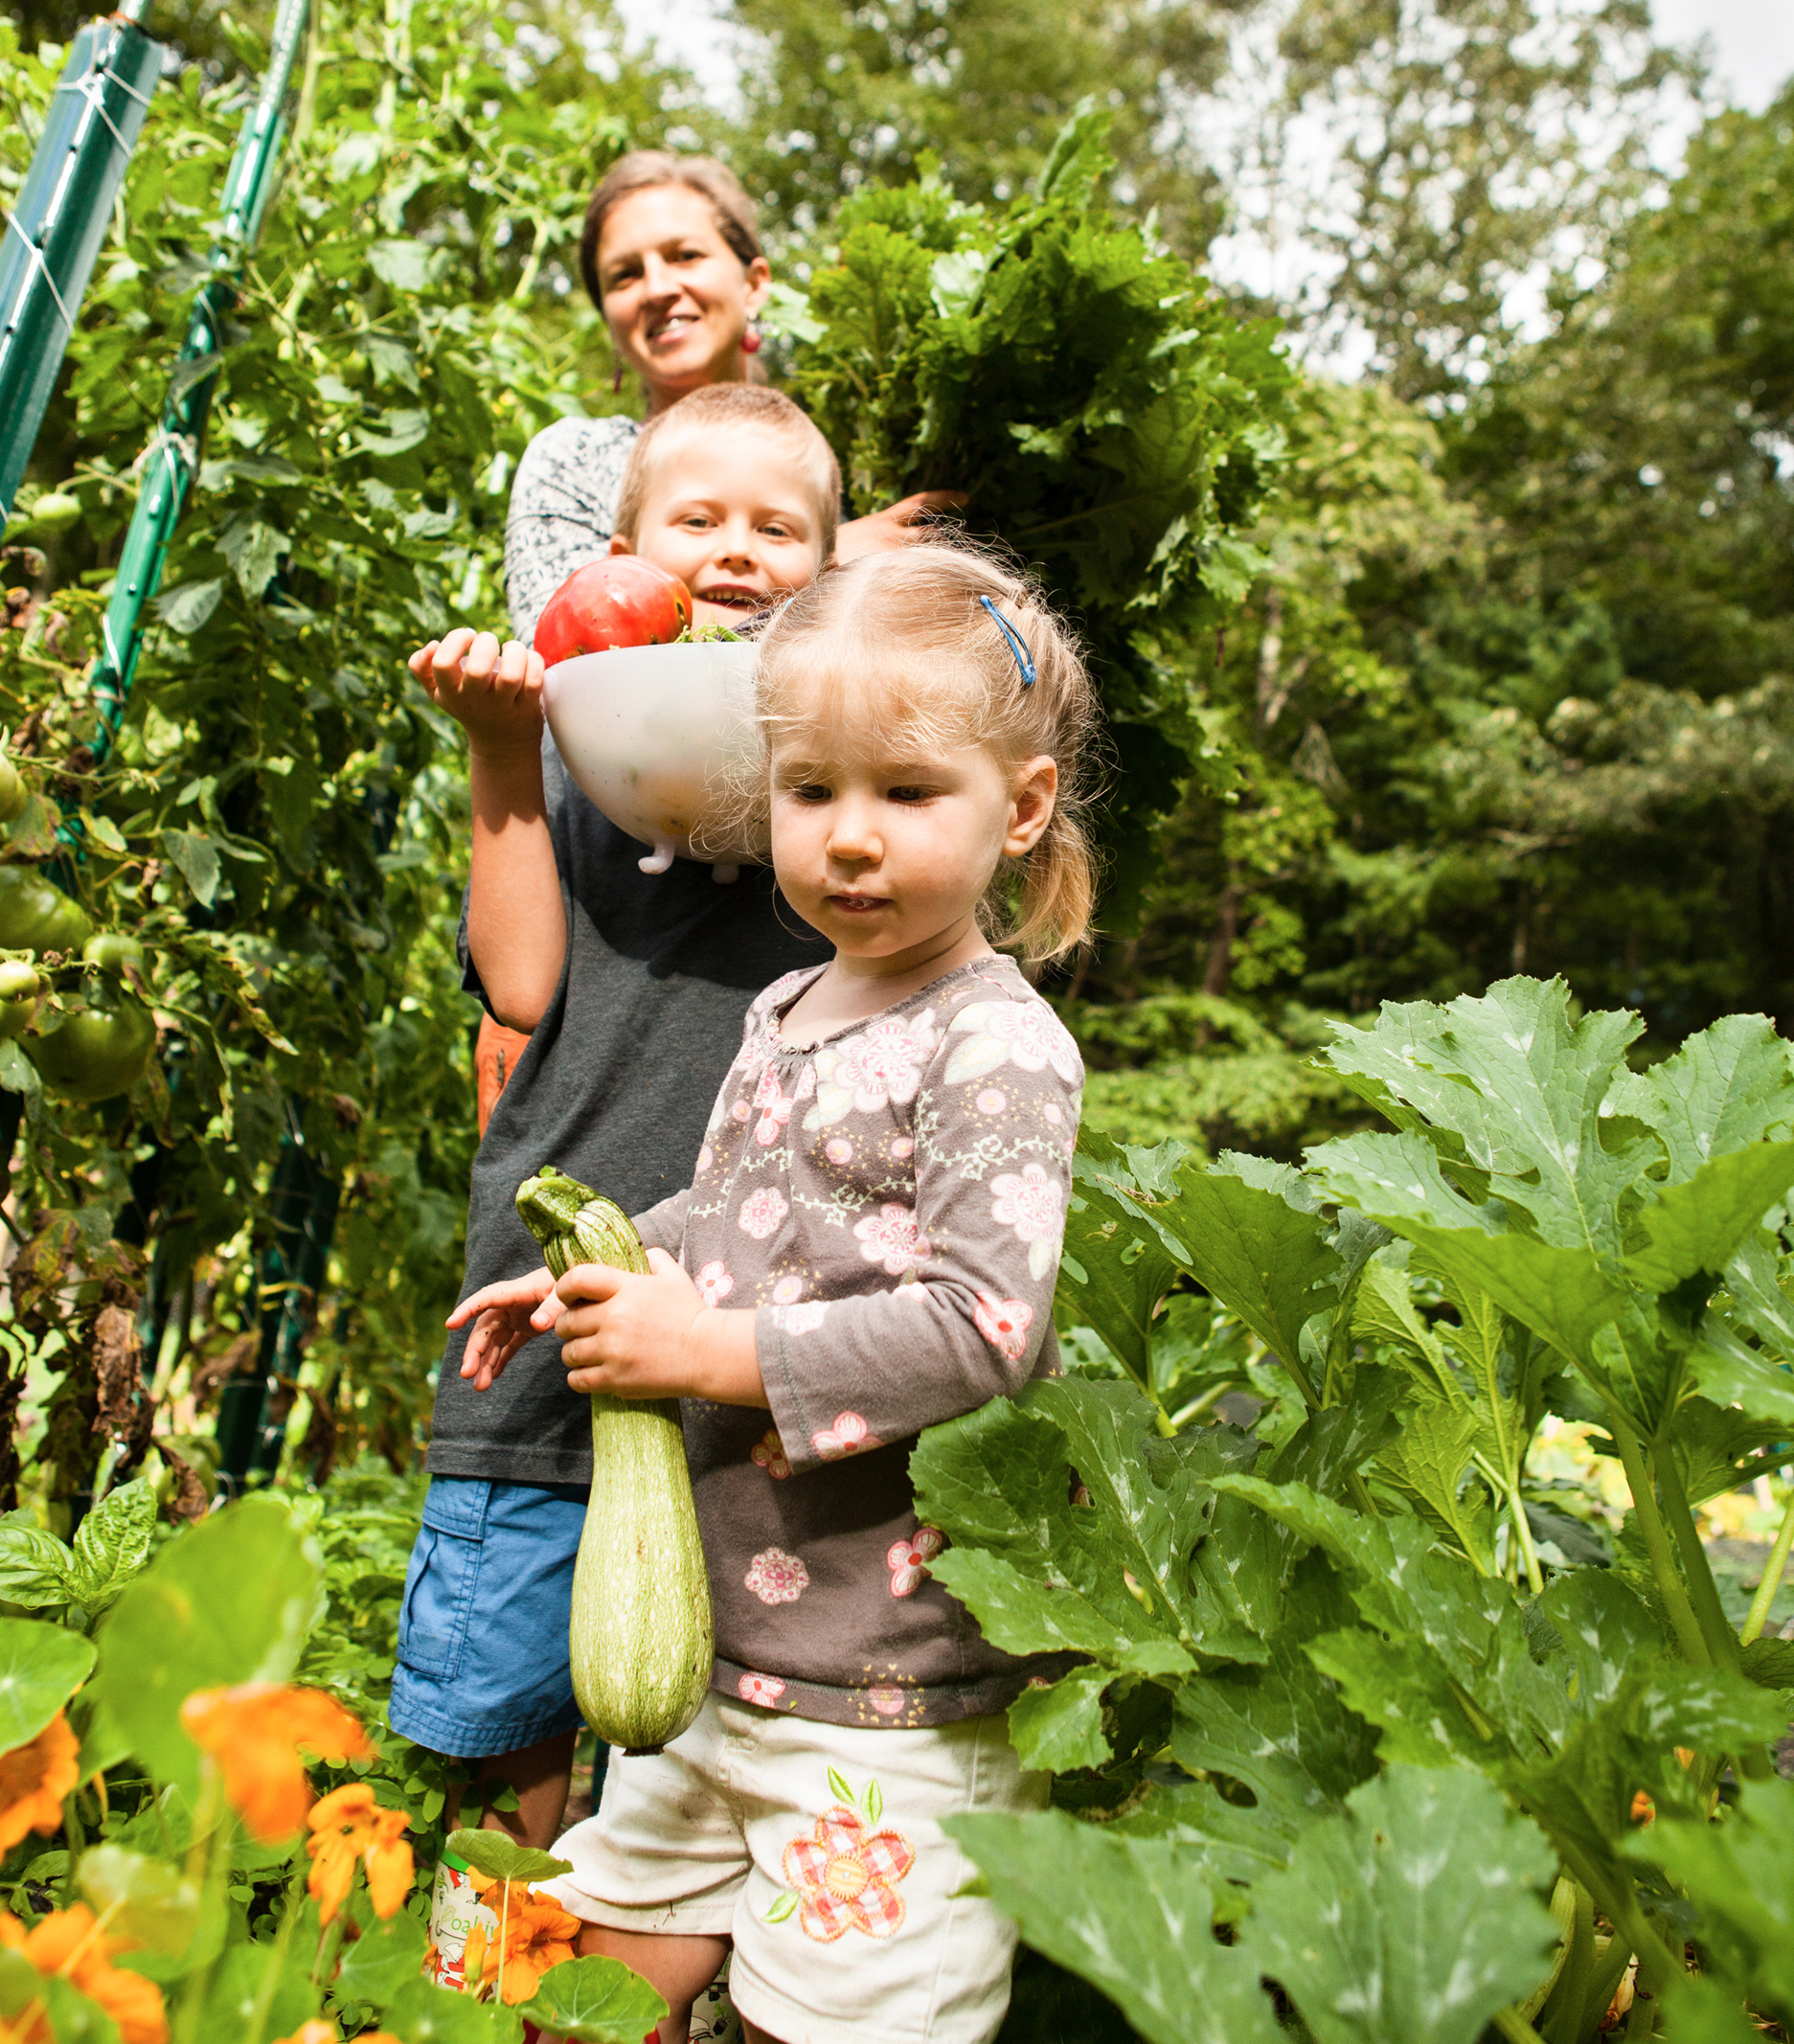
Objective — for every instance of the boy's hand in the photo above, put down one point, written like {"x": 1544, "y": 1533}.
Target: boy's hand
{"x": 503, "y": 1321}
{"x": 650, "y": 1337}
{"x": 494, "y": 692}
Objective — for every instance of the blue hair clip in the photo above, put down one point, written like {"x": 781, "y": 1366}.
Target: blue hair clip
{"x": 1017, "y": 646}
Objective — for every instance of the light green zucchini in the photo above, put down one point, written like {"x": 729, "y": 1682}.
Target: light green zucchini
{"x": 641, "y": 1638}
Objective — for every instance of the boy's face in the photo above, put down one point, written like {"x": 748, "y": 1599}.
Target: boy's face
{"x": 734, "y": 516}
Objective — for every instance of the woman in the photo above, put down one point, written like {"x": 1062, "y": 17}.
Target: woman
{"x": 671, "y": 258}
{"x": 658, "y": 975}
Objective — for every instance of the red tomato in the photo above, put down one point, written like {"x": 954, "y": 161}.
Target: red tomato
{"x": 620, "y": 601}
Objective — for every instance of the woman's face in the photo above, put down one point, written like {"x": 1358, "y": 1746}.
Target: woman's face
{"x": 677, "y": 298}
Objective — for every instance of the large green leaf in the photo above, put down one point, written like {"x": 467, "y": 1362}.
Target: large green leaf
{"x": 1132, "y": 1916}
{"x": 1699, "y": 1223}
{"x": 594, "y": 2001}
{"x": 502, "y": 1858}
{"x": 226, "y": 1603}
{"x": 1428, "y": 1459}
{"x": 259, "y": 1982}
{"x": 382, "y": 1961}
{"x": 1058, "y": 1726}
{"x": 147, "y": 1903}
{"x": 1115, "y": 1266}
{"x": 41, "y": 1666}
{"x": 1725, "y": 1089}
{"x": 424, "y": 2013}
{"x": 1411, "y": 1918}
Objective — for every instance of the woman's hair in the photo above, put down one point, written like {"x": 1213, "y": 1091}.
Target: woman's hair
{"x": 728, "y": 407}
{"x": 900, "y": 644}
{"x": 737, "y": 218}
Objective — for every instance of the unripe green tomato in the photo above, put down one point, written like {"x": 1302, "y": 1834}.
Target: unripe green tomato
{"x": 55, "y": 511}
{"x": 18, "y": 996}
{"x": 13, "y": 793}
{"x": 28, "y": 904}
{"x": 95, "y": 1053}
{"x": 67, "y": 928}
{"x": 111, "y": 950}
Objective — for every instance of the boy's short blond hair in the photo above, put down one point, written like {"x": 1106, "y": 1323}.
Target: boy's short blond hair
{"x": 719, "y": 407}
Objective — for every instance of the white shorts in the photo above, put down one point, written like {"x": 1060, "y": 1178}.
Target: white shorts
{"x": 818, "y": 1849}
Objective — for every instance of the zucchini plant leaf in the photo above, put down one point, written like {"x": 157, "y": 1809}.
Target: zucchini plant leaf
{"x": 1701, "y": 1223}
{"x": 1727, "y": 1088}
{"x": 1409, "y": 1918}
{"x": 1060, "y": 1725}
{"x": 1128, "y": 1915}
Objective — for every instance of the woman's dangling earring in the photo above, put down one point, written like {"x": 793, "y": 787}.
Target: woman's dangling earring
{"x": 616, "y": 381}
{"x": 750, "y": 339}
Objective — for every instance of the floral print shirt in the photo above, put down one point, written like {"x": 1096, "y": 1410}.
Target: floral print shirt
{"x": 889, "y": 1202}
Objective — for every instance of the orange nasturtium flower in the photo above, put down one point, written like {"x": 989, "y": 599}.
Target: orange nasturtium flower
{"x": 69, "y": 1943}
{"x": 256, "y": 1732}
{"x": 317, "y": 2032}
{"x": 349, "y": 1825}
{"x": 534, "y": 1933}
{"x": 33, "y": 1780}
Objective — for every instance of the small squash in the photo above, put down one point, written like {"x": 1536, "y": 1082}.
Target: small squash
{"x": 641, "y": 1638}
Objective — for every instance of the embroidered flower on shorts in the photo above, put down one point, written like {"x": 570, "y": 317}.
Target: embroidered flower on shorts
{"x": 787, "y": 1292}
{"x": 713, "y": 1283}
{"x": 763, "y": 1689}
{"x": 762, "y": 1212}
{"x": 777, "y": 1577}
{"x": 769, "y": 1454}
{"x": 908, "y": 1560}
{"x": 850, "y": 1435}
{"x": 1004, "y": 1323}
{"x": 890, "y": 1236}
{"x": 844, "y": 1874}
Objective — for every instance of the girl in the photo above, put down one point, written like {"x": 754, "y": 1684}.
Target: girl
{"x": 869, "y": 1247}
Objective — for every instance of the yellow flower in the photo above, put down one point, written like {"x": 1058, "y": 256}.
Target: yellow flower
{"x": 255, "y": 1734}
{"x": 349, "y": 1825}
{"x": 534, "y": 1933}
{"x": 69, "y": 1943}
{"x": 33, "y": 1780}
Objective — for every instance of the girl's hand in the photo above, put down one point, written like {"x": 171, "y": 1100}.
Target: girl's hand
{"x": 650, "y": 1337}
{"x": 503, "y": 1321}
{"x": 494, "y": 692}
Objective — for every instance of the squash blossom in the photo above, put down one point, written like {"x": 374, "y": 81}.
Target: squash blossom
{"x": 533, "y": 1934}
{"x": 33, "y": 1780}
{"x": 69, "y": 1941}
{"x": 255, "y": 1734}
{"x": 349, "y": 1825}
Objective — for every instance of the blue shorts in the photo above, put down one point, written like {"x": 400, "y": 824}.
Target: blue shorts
{"x": 482, "y": 1631}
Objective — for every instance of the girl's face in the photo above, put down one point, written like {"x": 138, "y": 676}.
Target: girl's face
{"x": 887, "y": 850}
{"x": 677, "y": 298}
{"x": 735, "y": 517}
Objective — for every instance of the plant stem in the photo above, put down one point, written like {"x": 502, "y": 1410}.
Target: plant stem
{"x": 1758, "y": 1616}
{"x": 1560, "y": 2020}
{"x": 1515, "y": 2026}
{"x": 1670, "y": 1585}
{"x": 271, "y": 1975}
{"x": 1709, "y": 1612}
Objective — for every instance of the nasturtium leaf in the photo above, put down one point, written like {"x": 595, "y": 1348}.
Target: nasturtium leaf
{"x": 228, "y": 1602}
{"x": 1411, "y": 1918}
{"x": 504, "y": 1859}
{"x": 594, "y": 2001}
{"x": 424, "y": 2013}
{"x": 382, "y": 1961}
{"x": 1131, "y": 1916}
{"x": 1701, "y": 1223}
{"x": 1060, "y": 1726}
{"x": 259, "y": 1982}
{"x": 147, "y": 1903}
{"x": 1739, "y": 1874}
{"x": 41, "y": 1666}
{"x": 1725, "y": 1089}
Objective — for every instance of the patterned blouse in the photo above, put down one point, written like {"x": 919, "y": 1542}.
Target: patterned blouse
{"x": 891, "y": 1202}
{"x": 563, "y": 509}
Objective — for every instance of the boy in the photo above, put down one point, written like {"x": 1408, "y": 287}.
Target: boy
{"x": 642, "y": 980}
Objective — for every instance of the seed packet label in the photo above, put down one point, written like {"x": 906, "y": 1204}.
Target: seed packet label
{"x": 455, "y": 1909}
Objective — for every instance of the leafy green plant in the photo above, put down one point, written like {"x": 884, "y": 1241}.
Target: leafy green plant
{"x": 1115, "y": 426}
{"x": 1344, "y": 1729}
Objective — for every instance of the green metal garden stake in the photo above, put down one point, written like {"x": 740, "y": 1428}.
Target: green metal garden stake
{"x": 53, "y": 234}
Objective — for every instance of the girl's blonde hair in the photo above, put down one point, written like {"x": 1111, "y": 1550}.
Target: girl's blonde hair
{"x": 901, "y": 645}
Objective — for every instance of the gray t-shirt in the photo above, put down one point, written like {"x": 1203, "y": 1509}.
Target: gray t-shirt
{"x": 618, "y": 1079}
